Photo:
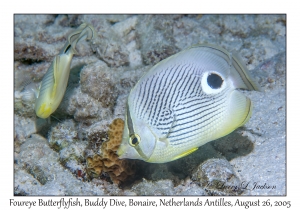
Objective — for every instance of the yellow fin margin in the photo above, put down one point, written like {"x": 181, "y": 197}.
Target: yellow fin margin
{"x": 185, "y": 153}
{"x": 249, "y": 108}
{"x": 44, "y": 112}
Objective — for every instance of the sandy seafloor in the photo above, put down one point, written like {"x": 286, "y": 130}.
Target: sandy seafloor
{"x": 49, "y": 155}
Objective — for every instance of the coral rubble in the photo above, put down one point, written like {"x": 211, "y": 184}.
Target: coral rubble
{"x": 217, "y": 177}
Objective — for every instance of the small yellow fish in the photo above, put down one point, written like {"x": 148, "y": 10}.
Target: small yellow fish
{"x": 185, "y": 101}
{"x": 54, "y": 83}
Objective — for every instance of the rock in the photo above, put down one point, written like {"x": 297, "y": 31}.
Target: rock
{"x": 217, "y": 177}
{"x": 156, "y": 39}
{"x": 189, "y": 188}
{"x": 86, "y": 109}
{"x": 63, "y": 135}
{"x": 41, "y": 173}
{"x": 158, "y": 188}
{"x": 98, "y": 81}
{"x": 24, "y": 127}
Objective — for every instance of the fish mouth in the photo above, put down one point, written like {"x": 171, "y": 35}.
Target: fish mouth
{"x": 126, "y": 151}
{"x": 120, "y": 151}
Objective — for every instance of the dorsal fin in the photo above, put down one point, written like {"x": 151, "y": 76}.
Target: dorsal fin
{"x": 239, "y": 73}
{"x": 82, "y": 31}
{"x": 243, "y": 73}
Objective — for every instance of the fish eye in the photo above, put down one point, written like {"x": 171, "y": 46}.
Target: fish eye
{"x": 215, "y": 81}
{"x": 134, "y": 140}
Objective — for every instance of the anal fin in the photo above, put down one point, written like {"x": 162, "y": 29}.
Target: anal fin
{"x": 185, "y": 153}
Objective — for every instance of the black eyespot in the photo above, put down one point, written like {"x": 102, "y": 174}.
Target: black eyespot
{"x": 214, "y": 81}
{"x": 134, "y": 140}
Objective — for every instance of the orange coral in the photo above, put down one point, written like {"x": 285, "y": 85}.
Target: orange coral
{"x": 108, "y": 161}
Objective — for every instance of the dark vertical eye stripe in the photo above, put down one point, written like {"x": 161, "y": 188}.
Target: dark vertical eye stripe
{"x": 131, "y": 132}
{"x": 129, "y": 121}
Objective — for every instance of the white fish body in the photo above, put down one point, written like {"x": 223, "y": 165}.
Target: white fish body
{"x": 184, "y": 102}
{"x": 54, "y": 83}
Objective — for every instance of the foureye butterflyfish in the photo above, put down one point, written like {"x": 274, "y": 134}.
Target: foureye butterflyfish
{"x": 54, "y": 83}
{"x": 185, "y": 101}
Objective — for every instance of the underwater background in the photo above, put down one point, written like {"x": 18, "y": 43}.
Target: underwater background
{"x": 73, "y": 152}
